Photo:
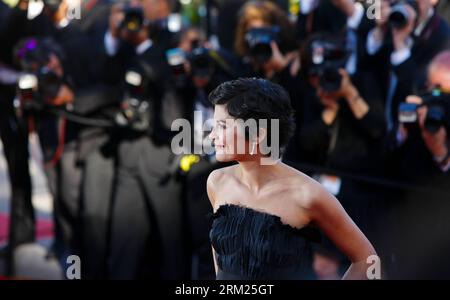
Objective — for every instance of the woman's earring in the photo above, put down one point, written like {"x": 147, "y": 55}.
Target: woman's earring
{"x": 253, "y": 148}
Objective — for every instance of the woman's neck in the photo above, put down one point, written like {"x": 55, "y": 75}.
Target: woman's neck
{"x": 255, "y": 175}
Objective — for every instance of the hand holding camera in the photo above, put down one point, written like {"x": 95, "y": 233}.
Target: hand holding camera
{"x": 65, "y": 96}
{"x": 278, "y": 61}
{"x": 346, "y": 90}
{"x": 42, "y": 84}
{"x": 431, "y": 113}
{"x": 136, "y": 106}
{"x": 325, "y": 56}
{"x": 399, "y": 17}
{"x": 259, "y": 41}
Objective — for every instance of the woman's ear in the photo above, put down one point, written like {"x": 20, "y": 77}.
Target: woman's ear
{"x": 262, "y": 134}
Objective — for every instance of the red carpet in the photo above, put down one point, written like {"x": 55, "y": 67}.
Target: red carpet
{"x": 44, "y": 229}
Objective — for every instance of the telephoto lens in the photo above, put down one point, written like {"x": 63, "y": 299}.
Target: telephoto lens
{"x": 133, "y": 20}
{"x": 327, "y": 55}
{"x": 400, "y": 15}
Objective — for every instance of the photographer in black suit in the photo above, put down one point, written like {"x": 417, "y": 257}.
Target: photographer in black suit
{"x": 146, "y": 232}
{"x": 48, "y": 100}
{"x": 423, "y": 160}
{"x": 342, "y": 130}
{"x": 79, "y": 69}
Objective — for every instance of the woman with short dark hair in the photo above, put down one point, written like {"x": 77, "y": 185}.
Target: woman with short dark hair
{"x": 264, "y": 210}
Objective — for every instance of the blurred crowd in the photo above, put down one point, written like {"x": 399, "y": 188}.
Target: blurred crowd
{"x": 101, "y": 82}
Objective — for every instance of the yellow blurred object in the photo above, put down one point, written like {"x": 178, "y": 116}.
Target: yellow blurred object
{"x": 187, "y": 161}
{"x": 11, "y": 3}
{"x": 294, "y": 7}
{"x": 133, "y": 25}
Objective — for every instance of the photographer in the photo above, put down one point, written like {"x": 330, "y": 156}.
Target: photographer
{"x": 406, "y": 37}
{"x": 129, "y": 41}
{"x": 342, "y": 128}
{"x": 146, "y": 231}
{"x": 339, "y": 17}
{"x": 80, "y": 91}
{"x": 328, "y": 16}
{"x": 423, "y": 161}
{"x": 197, "y": 69}
{"x": 265, "y": 42}
{"x": 147, "y": 20}
{"x": 46, "y": 98}
{"x": 264, "y": 38}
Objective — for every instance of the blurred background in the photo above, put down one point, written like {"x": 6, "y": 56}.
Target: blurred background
{"x": 89, "y": 90}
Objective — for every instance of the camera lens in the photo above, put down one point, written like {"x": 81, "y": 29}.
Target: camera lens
{"x": 330, "y": 80}
{"x": 258, "y": 41}
{"x": 435, "y": 118}
{"x": 261, "y": 53}
{"x": 133, "y": 20}
{"x": 399, "y": 15}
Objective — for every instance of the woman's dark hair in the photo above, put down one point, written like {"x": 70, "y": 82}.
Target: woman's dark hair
{"x": 258, "y": 99}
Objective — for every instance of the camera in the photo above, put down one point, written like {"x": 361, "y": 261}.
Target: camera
{"x": 176, "y": 58}
{"x": 438, "y": 111}
{"x": 324, "y": 59}
{"x": 202, "y": 64}
{"x": 133, "y": 20}
{"x": 135, "y": 110}
{"x": 34, "y": 89}
{"x": 33, "y": 55}
{"x": 258, "y": 41}
{"x": 399, "y": 15}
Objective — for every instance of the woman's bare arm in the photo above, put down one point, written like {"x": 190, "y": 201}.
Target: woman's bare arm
{"x": 214, "y": 259}
{"x": 212, "y": 179}
{"x": 329, "y": 215}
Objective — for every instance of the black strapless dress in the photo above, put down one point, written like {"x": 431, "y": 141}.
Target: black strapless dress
{"x": 254, "y": 245}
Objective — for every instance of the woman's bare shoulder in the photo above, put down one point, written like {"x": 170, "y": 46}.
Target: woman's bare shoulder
{"x": 220, "y": 174}
{"x": 307, "y": 189}
{"x": 217, "y": 178}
